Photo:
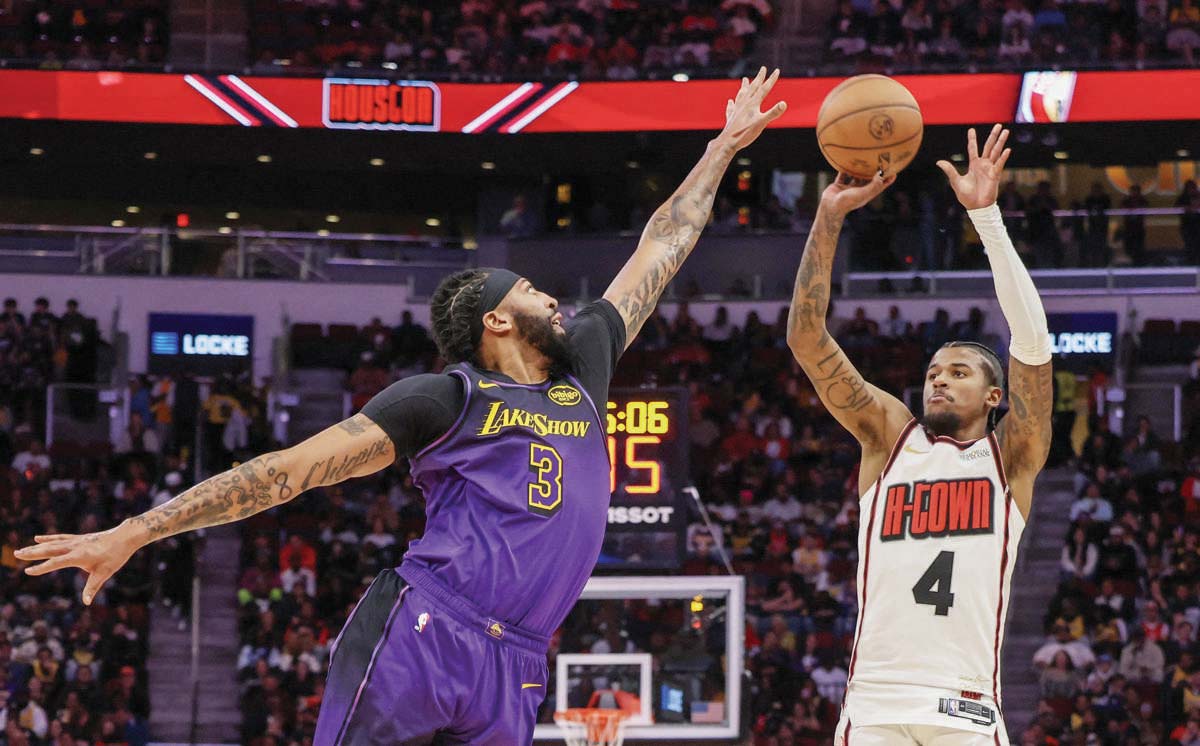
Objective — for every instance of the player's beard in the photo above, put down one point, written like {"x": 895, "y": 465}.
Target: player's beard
{"x": 540, "y": 334}
{"x": 942, "y": 423}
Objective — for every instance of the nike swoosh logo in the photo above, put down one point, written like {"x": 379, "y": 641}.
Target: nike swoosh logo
{"x": 530, "y": 686}
{"x": 486, "y": 385}
{"x": 910, "y": 449}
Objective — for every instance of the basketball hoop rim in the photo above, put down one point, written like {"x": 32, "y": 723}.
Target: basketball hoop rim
{"x": 578, "y": 714}
{"x": 592, "y": 726}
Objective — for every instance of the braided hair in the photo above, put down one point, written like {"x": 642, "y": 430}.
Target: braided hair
{"x": 454, "y": 307}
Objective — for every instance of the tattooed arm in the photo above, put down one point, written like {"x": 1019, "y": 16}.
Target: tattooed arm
{"x": 353, "y": 448}
{"x": 1024, "y": 433}
{"x": 873, "y": 416}
{"x": 674, "y": 228}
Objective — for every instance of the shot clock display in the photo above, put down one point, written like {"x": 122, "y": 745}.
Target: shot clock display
{"x": 648, "y": 466}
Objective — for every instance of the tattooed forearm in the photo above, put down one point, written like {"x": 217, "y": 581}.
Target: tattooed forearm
{"x": 667, "y": 240}
{"x": 1025, "y": 431}
{"x": 333, "y": 470}
{"x": 810, "y": 299}
{"x": 238, "y": 493}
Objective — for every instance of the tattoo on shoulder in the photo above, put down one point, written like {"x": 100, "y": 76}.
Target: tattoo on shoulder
{"x": 356, "y": 425}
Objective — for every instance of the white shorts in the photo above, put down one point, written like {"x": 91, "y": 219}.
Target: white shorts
{"x": 914, "y": 735}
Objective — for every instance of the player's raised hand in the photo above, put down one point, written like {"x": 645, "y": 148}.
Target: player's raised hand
{"x": 99, "y": 555}
{"x": 744, "y": 118}
{"x": 847, "y": 193}
{"x": 980, "y": 185}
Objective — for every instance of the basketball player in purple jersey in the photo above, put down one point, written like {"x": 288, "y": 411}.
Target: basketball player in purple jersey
{"x": 508, "y": 447}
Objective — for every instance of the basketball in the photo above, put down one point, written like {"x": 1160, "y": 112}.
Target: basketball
{"x": 869, "y": 123}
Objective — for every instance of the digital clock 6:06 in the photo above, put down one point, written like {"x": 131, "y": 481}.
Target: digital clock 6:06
{"x": 639, "y": 417}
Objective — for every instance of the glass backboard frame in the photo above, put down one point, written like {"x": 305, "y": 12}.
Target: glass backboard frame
{"x": 677, "y": 587}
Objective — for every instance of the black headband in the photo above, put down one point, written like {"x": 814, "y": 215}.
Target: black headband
{"x": 495, "y": 287}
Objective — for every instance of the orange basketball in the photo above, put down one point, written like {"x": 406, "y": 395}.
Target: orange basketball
{"x": 869, "y": 123}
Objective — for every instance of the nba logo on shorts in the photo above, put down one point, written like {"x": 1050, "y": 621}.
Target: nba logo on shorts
{"x": 422, "y": 620}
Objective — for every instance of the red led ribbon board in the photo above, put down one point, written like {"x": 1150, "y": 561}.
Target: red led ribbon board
{"x": 512, "y": 108}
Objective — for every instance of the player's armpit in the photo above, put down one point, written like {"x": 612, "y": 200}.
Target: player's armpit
{"x": 356, "y": 447}
{"x": 1024, "y": 433}
{"x": 873, "y": 416}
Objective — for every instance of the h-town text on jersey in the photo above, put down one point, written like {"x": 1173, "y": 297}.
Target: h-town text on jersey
{"x": 942, "y": 507}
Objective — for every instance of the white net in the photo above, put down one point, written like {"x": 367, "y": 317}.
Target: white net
{"x": 585, "y": 726}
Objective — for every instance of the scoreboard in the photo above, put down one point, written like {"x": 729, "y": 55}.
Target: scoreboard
{"x": 648, "y": 468}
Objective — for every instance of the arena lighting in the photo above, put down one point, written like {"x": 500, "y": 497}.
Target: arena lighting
{"x": 323, "y": 232}
{"x": 1061, "y": 155}
{"x": 232, "y": 215}
{"x": 680, "y": 77}
{"x": 743, "y": 161}
{"x": 488, "y": 166}
{"x": 36, "y": 151}
{"x": 390, "y": 66}
{"x": 1183, "y": 152}
{"x": 133, "y": 209}
{"x": 957, "y": 158}
{"x": 432, "y": 222}
{"x": 332, "y": 219}
{"x": 225, "y": 230}
{"x": 150, "y": 155}
{"x": 376, "y": 161}
{"x": 183, "y": 220}
{"x": 264, "y": 158}
{"x": 632, "y": 164}
{"x": 118, "y": 223}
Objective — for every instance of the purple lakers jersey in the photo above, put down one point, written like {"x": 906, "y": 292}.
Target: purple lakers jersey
{"x": 516, "y": 499}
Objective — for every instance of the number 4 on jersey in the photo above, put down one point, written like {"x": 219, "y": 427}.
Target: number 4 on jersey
{"x": 939, "y": 574}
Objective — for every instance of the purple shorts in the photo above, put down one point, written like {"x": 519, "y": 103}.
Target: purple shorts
{"x": 417, "y": 666}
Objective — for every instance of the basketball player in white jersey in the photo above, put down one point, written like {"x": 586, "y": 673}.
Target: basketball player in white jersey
{"x": 943, "y": 500}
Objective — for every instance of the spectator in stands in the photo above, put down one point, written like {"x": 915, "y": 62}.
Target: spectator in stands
{"x": 1183, "y": 35}
{"x": 1092, "y": 504}
{"x": 1142, "y": 659}
{"x": 1060, "y": 640}
{"x": 298, "y": 575}
{"x": 1152, "y": 625}
{"x": 1118, "y": 560}
{"x": 1079, "y": 555}
{"x": 1142, "y": 452}
{"x": 136, "y": 439}
{"x": 1041, "y": 224}
{"x": 518, "y": 221}
{"x": 298, "y": 546}
{"x": 1060, "y": 679}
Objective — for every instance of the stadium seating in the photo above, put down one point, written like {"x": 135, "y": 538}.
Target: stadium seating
{"x": 495, "y": 38}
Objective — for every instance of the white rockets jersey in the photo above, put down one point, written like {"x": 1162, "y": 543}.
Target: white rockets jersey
{"x": 937, "y": 539}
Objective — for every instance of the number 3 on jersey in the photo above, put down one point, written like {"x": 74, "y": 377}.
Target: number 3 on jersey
{"x": 939, "y": 574}
{"x": 545, "y": 491}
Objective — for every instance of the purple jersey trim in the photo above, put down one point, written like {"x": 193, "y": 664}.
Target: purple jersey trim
{"x": 461, "y": 416}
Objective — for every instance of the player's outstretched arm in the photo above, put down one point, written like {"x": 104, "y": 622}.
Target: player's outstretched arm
{"x": 1024, "y": 433}
{"x": 353, "y": 448}
{"x": 674, "y": 228}
{"x": 873, "y": 416}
